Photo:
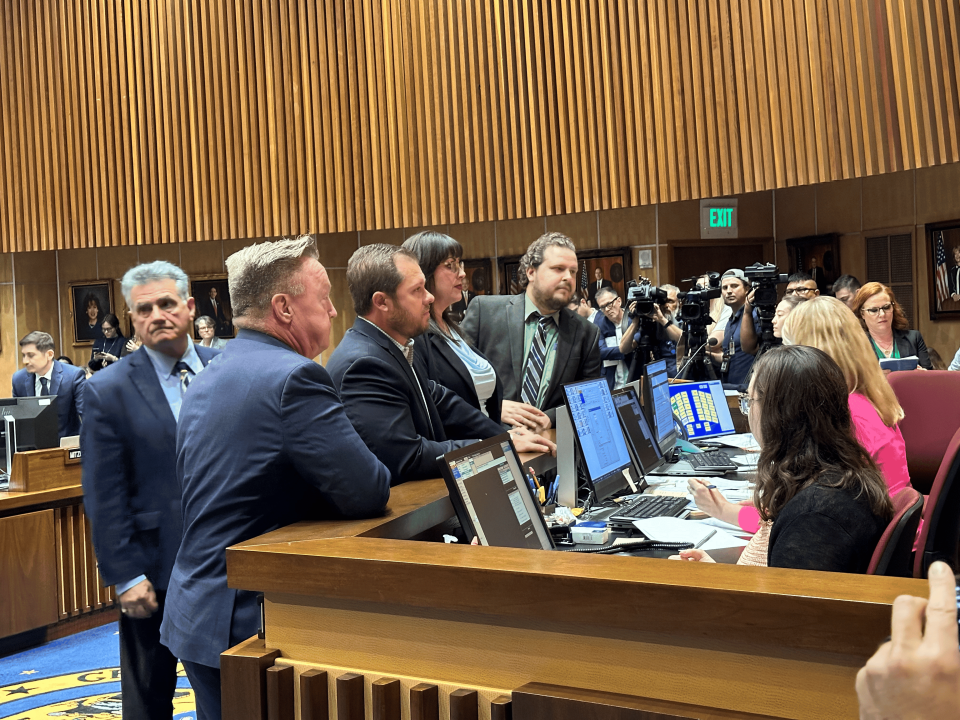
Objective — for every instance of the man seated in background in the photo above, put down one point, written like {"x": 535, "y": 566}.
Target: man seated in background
{"x": 533, "y": 341}
{"x": 845, "y": 289}
{"x": 281, "y": 450}
{"x": 406, "y": 420}
{"x": 42, "y": 375}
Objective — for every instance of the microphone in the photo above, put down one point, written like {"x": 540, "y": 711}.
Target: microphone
{"x": 711, "y": 342}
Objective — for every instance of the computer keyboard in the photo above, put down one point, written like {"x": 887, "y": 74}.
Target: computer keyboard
{"x": 714, "y": 458}
{"x": 648, "y": 506}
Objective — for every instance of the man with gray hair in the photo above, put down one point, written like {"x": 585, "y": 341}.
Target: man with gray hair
{"x": 282, "y": 449}
{"x": 42, "y": 375}
{"x": 406, "y": 419}
{"x": 130, "y": 489}
{"x": 533, "y": 341}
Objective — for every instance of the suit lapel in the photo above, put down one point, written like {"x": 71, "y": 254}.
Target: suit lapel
{"x": 416, "y": 385}
{"x": 55, "y": 378}
{"x": 565, "y": 336}
{"x": 451, "y": 357}
{"x": 515, "y": 329}
{"x": 144, "y": 378}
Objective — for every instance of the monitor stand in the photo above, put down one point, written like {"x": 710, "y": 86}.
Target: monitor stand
{"x": 566, "y": 460}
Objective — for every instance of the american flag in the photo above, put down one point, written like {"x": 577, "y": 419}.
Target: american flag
{"x": 943, "y": 289}
{"x": 584, "y": 283}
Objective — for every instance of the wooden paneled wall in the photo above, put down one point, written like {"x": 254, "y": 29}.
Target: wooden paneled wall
{"x": 157, "y": 121}
{"x": 80, "y": 588}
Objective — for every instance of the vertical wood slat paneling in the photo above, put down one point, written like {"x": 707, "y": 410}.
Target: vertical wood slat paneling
{"x": 80, "y": 588}
{"x": 164, "y": 121}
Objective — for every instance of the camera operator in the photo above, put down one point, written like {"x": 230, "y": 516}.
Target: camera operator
{"x": 669, "y": 329}
{"x": 740, "y": 338}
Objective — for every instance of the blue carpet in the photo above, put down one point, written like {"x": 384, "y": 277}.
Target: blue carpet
{"x": 75, "y": 678}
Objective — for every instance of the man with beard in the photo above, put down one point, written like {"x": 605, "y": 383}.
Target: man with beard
{"x": 405, "y": 419}
{"x": 533, "y": 341}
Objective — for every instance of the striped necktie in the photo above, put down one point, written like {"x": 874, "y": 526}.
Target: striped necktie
{"x": 533, "y": 373}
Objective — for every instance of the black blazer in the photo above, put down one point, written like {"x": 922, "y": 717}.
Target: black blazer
{"x": 494, "y": 324}
{"x": 910, "y": 342}
{"x": 435, "y": 359}
{"x": 380, "y": 394}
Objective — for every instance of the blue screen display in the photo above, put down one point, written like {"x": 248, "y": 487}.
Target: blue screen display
{"x": 702, "y": 408}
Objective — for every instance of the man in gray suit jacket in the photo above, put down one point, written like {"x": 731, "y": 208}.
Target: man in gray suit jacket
{"x": 532, "y": 340}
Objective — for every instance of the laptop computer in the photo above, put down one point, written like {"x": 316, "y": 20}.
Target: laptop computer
{"x": 657, "y": 392}
{"x": 490, "y": 494}
{"x": 702, "y": 409}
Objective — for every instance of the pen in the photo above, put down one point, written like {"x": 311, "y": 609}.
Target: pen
{"x": 711, "y": 487}
{"x": 705, "y": 538}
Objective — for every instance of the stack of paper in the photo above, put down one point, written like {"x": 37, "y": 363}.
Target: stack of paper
{"x": 670, "y": 529}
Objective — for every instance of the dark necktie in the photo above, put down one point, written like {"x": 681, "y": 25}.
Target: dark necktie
{"x": 44, "y": 389}
{"x": 184, "y": 370}
{"x": 533, "y": 373}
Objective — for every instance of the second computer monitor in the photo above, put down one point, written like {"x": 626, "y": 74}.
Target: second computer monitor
{"x": 646, "y": 451}
{"x": 702, "y": 408}
{"x": 598, "y": 435}
{"x": 656, "y": 403}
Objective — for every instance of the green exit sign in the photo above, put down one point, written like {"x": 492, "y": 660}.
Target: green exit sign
{"x": 721, "y": 217}
{"x": 718, "y": 219}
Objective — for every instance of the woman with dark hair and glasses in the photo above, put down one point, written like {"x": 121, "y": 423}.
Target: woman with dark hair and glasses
{"x": 817, "y": 485}
{"x": 886, "y": 325}
{"x": 109, "y": 348}
{"x": 443, "y": 353}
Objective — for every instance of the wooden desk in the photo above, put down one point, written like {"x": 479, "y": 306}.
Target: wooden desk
{"x": 48, "y": 571}
{"x": 363, "y": 604}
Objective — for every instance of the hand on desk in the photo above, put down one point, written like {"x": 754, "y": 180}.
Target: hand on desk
{"x": 693, "y": 555}
{"x": 140, "y": 601}
{"x": 520, "y": 414}
{"x": 526, "y": 441}
{"x": 917, "y": 673}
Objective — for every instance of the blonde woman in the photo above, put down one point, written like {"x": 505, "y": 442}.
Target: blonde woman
{"x": 829, "y": 325}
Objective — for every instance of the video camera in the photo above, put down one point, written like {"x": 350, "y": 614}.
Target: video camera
{"x": 765, "y": 279}
{"x": 695, "y": 305}
{"x": 646, "y": 296}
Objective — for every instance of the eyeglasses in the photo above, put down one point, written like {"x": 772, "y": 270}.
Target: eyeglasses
{"x": 745, "y": 402}
{"x": 799, "y": 291}
{"x": 888, "y": 308}
{"x": 453, "y": 265}
{"x": 604, "y": 308}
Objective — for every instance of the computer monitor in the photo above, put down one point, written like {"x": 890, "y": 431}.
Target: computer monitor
{"x": 490, "y": 494}
{"x": 656, "y": 399}
{"x": 702, "y": 408}
{"x": 640, "y": 438}
{"x": 33, "y": 423}
{"x": 596, "y": 429}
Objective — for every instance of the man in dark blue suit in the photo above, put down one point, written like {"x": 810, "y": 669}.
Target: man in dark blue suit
{"x": 263, "y": 441}
{"x": 407, "y": 420}
{"x": 42, "y": 375}
{"x": 130, "y": 488}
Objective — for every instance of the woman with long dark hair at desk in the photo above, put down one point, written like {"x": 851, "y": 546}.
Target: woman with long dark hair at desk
{"x": 821, "y": 490}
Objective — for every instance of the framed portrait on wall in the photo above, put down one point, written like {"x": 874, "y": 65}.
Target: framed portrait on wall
{"x": 479, "y": 281}
{"x": 944, "y": 270}
{"x": 818, "y": 255}
{"x": 597, "y": 269}
{"x": 211, "y": 293}
{"x": 90, "y": 300}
